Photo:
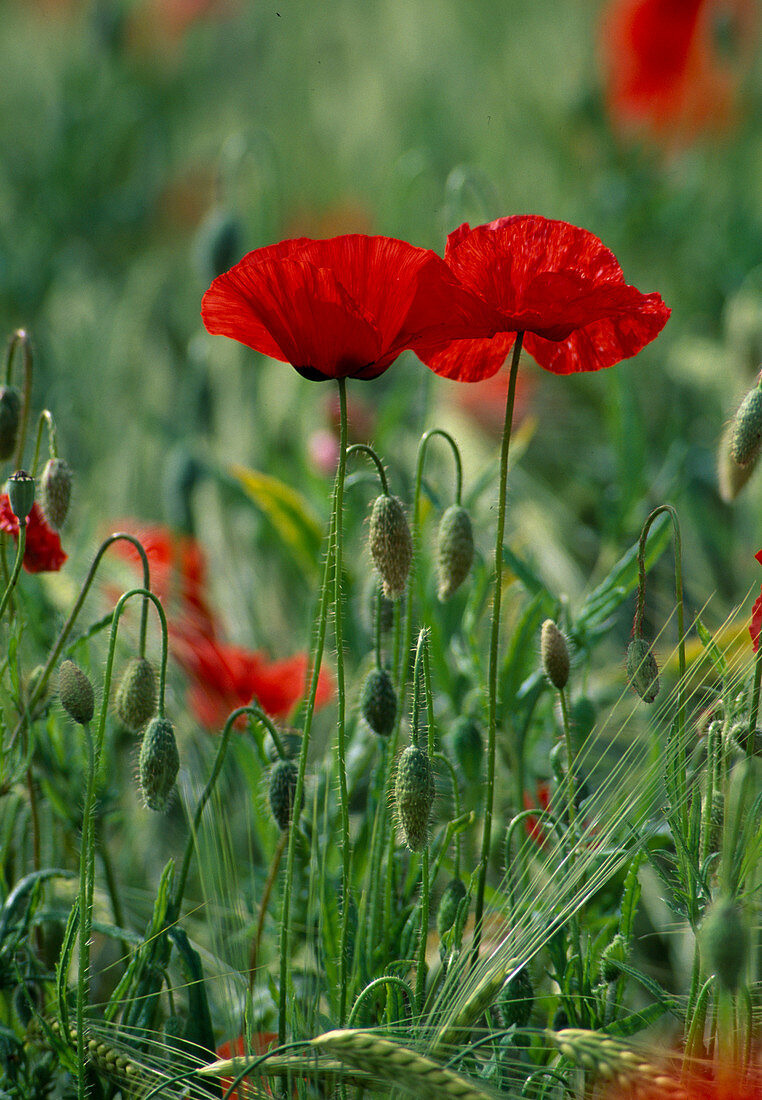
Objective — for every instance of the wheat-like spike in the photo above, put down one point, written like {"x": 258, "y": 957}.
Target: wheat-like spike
{"x": 615, "y": 1061}
{"x": 398, "y": 1065}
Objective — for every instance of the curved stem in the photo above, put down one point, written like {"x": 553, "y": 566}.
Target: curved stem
{"x": 364, "y": 448}
{"x": 45, "y": 417}
{"x": 385, "y": 979}
{"x": 495, "y": 650}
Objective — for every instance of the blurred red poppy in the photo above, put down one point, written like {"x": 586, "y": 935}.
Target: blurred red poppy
{"x": 223, "y": 677}
{"x": 656, "y": 1081}
{"x": 261, "y": 1042}
{"x": 672, "y": 67}
{"x": 43, "y": 552}
{"x": 340, "y": 308}
{"x": 531, "y": 824}
{"x": 756, "y": 613}
{"x": 557, "y": 284}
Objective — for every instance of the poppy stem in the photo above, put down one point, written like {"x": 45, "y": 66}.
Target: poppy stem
{"x": 495, "y": 649}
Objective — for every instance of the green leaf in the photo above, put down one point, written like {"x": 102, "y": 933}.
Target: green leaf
{"x": 715, "y": 653}
{"x": 630, "y": 1025}
{"x": 288, "y": 512}
{"x": 64, "y": 964}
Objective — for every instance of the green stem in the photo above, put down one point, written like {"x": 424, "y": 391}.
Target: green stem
{"x": 754, "y": 711}
{"x": 21, "y": 337}
{"x": 85, "y": 912}
{"x": 16, "y": 567}
{"x": 570, "y": 785}
{"x": 384, "y": 980}
{"x": 363, "y": 448}
{"x": 46, "y": 417}
{"x": 449, "y": 767}
{"x": 495, "y": 650}
{"x": 317, "y": 660}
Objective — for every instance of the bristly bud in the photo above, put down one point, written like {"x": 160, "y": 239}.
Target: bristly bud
{"x": 515, "y": 1000}
{"x": 555, "y": 655}
{"x": 414, "y": 795}
{"x": 613, "y": 953}
{"x": 378, "y": 703}
{"x": 21, "y": 494}
{"x": 453, "y": 895}
{"x": 158, "y": 764}
{"x": 391, "y": 544}
{"x": 731, "y": 477}
{"x": 455, "y": 550}
{"x": 725, "y": 941}
{"x": 468, "y": 747}
{"x": 136, "y": 696}
{"x": 746, "y": 434}
{"x": 76, "y": 693}
{"x": 642, "y": 670}
{"x": 55, "y": 491}
{"x": 282, "y": 791}
{"x": 10, "y": 418}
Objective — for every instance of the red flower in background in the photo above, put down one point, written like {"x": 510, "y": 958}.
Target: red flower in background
{"x": 221, "y": 677}
{"x": 532, "y": 825}
{"x": 345, "y": 307}
{"x": 756, "y": 613}
{"x": 261, "y": 1042}
{"x": 43, "y": 552}
{"x": 672, "y": 67}
{"x": 557, "y": 284}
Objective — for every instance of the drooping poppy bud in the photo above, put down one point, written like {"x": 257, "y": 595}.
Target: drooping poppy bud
{"x": 158, "y": 763}
{"x": 21, "y": 494}
{"x": 282, "y": 791}
{"x": 391, "y": 544}
{"x": 642, "y": 670}
{"x": 746, "y": 433}
{"x": 453, "y": 895}
{"x": 378, "y": 703}
{"x": 414, "y": 795}
{"x": 76, "y": 693}
{"x": 515, "y": 1000}
{"x": 136, "y": 695}
{"x": 555, "y": 655}
{"x": 55, "y": 491}
{"x": 10, "y": 418}
{"x": 455, "y": 550}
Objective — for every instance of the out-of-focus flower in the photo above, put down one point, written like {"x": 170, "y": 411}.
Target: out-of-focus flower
{"x": 43, "y": 552}
{"x": 484, "y": 402}
{"x": 672, "y": 68}
{"x": 345, "y": 307}
{"x": 261, "y": 1042}
{"x": 557, "y": 284}
{"x": 531, "y": 824}
{"x": 756, "y": 613}
{"x": 222, "y": 677}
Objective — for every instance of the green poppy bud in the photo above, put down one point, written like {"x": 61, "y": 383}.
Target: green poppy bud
{"x": 282, "y": 791}
{"x": 468, "y": 747}
{"x": 21, "y": 494}
{"x": 515, "y": 999}
{"x": 55, "y": 491}
{"x": 555, "y": 655}
{"x": 725, "y": 941}
{"x": 746, "y": 433}
{"x": 614, "y": 952}
{"x": 642, "y": 670}
{"x": 414, "y": 795}
{"x": 455, "y": 550}
{"x": 136, "y": 695}
{"x": 391, "y": 544}
{"x": 378, "y": 703}
{"x": 453, "y": 895}
{"x": 731, "y": 477}
{"x": 76, "y": 693}
{"x": 158, "y": 763}
{"x": 10, "y": 418}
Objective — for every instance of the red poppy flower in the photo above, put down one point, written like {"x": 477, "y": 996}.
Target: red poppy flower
{"x": 557, "y": 284}
{"x": 261, "y": 1042}
{"x": 43, "y": 552}
{"x": 531, "y": 824}
{"x": 756, "y": 613}
{"x": 656, "y": 1081}
{"x": 672, "y": 67}
{"x": 223, "y": 677}
{"x": 339, "y": 308}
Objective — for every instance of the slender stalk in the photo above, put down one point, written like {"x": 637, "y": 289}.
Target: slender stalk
{"x": 494, "y": 652}
{"x": 338, "y": 625}
{"x": 45, "y": 417}
{"x": 85, "y": 912}
{"x": 317, "y": 660}
{"x": 16, "y": 567}
{"x": 21, "y": 338}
